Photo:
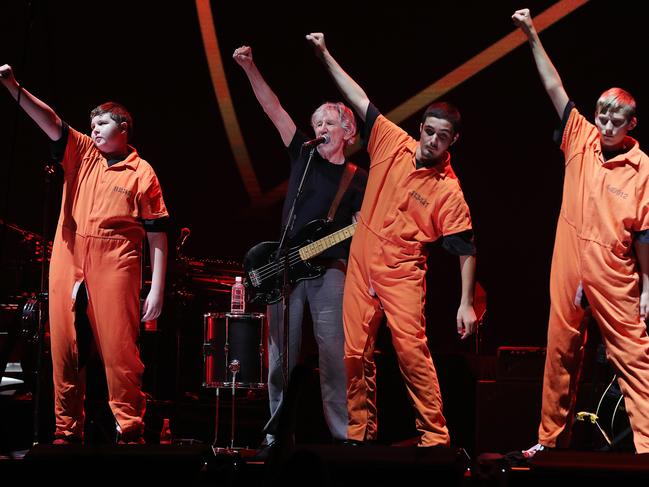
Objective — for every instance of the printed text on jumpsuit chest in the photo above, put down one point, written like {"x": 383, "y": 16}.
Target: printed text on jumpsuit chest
{"x": 107, "y": 196}
{"x": 413, "y": 215}
{"x": 602, "y": 202}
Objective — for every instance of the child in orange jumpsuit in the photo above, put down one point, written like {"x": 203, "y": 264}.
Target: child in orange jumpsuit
{"x": 604, "y": 218}
{"x": 412, "y": 198}
{"x": 111, "y": 199}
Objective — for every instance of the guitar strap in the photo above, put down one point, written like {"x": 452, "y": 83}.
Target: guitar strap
{"x": 350, "y": 170}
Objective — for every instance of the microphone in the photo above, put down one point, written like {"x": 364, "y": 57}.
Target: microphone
{"x": 323, "y": 139}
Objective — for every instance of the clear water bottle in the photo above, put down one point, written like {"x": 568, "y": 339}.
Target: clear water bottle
{"x": 238, "y": 296}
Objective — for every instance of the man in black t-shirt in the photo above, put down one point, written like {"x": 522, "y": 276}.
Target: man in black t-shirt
{"x": 335, "y": 122}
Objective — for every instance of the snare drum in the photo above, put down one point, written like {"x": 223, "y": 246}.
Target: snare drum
{"x": 233, "y": 350}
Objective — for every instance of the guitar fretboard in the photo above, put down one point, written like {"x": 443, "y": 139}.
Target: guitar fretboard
{"x": 319, "y": 246}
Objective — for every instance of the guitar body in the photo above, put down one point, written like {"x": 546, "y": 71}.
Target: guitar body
{"x": 264, "y": 274}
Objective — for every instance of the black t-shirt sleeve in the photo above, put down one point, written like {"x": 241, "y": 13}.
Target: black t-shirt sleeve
{"x": 370, "y": 117}
{"x": 295, "y": 147}
{"x": 461, "y": 243}
{"x": 57, "y": 147}
{"x": 642, "y": 236}
{"x": 558, "y": 133}
{"x": 156, "y": 225}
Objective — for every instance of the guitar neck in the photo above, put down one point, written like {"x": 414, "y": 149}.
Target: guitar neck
{"x": 319, "y": 246}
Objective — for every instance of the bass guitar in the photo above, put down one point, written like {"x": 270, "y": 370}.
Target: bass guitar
{"x": 264, "y": 272}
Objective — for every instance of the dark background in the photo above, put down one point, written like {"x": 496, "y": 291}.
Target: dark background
{"x": 149, "y": 56}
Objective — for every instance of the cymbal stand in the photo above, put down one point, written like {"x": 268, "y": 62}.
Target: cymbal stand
{"x": 49, "y": 172}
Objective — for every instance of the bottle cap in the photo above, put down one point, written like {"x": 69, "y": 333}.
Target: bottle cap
{"x": 237, "y": 279}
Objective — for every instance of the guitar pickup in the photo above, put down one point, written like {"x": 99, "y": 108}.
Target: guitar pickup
{"x": 254, "y": 279}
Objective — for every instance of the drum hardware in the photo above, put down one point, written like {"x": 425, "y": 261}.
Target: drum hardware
{"x": 234, "y": 358}
{"x": 49, "y": 169}
{"x": 39, "y": 247}
{"x": 36, "y": 303}
{"x": 235, "y": 367}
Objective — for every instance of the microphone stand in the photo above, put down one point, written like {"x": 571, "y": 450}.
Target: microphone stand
{"x": 42, "y": 315}
{"x": 282, "y": 254}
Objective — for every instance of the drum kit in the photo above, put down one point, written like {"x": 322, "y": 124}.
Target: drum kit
{"x": 234, "y": 344}
{"x": 23, "y": 313}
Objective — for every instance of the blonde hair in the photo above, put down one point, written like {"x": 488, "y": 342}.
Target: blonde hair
{"x": 616, "y": 100}
{"x": 347, "y": 120}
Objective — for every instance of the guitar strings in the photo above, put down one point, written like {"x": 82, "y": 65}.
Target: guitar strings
{"x": 273, "y": 268}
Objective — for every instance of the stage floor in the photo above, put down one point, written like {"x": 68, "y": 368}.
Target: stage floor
{"x": 311, "y": 465}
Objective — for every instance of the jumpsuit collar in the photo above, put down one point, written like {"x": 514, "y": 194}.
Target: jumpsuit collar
{"x": 441, "y": 169}
{"x": 131, "y": 161}
{"x": 632, "y": 156}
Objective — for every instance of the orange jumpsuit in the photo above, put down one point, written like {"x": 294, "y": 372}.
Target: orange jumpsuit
{"x": 98, "y": 242}
{"x": 403, "y": 209}
{"x": 604, "y": 203}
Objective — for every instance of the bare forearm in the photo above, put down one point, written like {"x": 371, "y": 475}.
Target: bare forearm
{"x": 38, "y": 111}
{"x": 264, "y": 94}
{"x": 158, "y": 253}
{"x": 351, "y": 90}
{"x": 548, "y": 73}
{"x": 271, "y": 104}
{"x": 467, "y": 272}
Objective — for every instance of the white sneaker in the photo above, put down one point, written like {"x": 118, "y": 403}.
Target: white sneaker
{"x": 534, "y": 450}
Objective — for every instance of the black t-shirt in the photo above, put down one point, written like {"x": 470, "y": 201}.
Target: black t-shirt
{"x": 320, "y": 188}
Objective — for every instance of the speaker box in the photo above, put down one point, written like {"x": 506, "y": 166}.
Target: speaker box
{"x": 520, "y": 363}
{"x": 73, "y": 465}
{"x": 374, "y": 465}
{"x": 507, "y": 415}
{"x": 618, "y": 468}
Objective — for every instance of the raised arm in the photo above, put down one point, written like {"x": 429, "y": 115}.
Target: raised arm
{"x": 548, "y": 73}
{"x": 265, "y": 95}
{"x": 352, "y": 92}
{"x": 39, "y": 112}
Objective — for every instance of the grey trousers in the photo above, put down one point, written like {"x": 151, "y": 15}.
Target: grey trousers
{"x": 324, "y": 296}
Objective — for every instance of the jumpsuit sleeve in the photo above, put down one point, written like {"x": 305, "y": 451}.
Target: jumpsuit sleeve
{"x": 386, "y": 139}
{"x": 70, "y": 149}
{"x": 576, "y": 133}
{"x": 151, "y": 204}
{"x": 454, "y": 215}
